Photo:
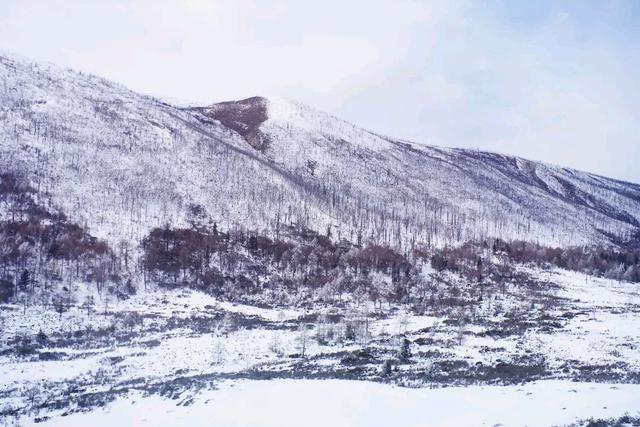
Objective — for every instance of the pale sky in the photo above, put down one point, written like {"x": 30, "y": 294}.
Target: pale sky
{"x": 557, "y": 81}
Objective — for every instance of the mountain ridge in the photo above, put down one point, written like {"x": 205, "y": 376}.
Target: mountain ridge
{"x": 122, "y": 163}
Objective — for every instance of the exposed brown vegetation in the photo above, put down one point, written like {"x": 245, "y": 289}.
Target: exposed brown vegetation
{"x": 244, "y": 117}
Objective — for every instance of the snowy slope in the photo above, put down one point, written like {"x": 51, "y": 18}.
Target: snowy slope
{"x": 121, "y": 163}
{"x": 424, "y": 191}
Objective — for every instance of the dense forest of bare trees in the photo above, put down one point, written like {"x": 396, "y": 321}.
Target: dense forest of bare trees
{"x": 40, "y": 249}
{"x": 42, "y": 253}
{"x": 618, "y": 264}
{"x": 105, "y": 187}
{"x": 120, "y": 164}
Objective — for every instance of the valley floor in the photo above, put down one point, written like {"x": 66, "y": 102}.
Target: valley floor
{"x": 566, "y": 354}
{"x": 336, "y": 403}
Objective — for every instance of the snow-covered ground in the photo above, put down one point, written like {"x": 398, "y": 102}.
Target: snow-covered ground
{"x": 162, "y": 348}
{"x": 185, "y": 357}
{"x": 289, "y": 403}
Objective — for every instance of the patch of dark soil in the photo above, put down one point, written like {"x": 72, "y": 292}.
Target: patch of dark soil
{"x": 363, "y": 356}
{"x": 306, "y": 370}
{"x": 461, "y": 372}
{"x": 150, "y": 343}
{"x": 52, "y": 355}
{"x": 518, "y": 326}
{"x": 618, "y": 372}
{"x": 175, "y": 388}
{"x": 624, "y": 421}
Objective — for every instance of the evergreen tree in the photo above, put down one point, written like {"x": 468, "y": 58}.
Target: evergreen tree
{"x": 405, "y": 350}
{"x": 23, "y": 282}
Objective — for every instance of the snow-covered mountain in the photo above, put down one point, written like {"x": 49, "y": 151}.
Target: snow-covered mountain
{"x": 121, "y": 163}
{"x": 185, "y": 319}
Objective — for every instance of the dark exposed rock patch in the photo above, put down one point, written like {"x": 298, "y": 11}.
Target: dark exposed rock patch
{"x": 244, "y": 117}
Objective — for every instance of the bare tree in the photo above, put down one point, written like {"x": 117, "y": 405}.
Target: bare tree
{"x": 302, "y": 339}
{"x": 59, "y": 305}
{"x": 88, "y": 304}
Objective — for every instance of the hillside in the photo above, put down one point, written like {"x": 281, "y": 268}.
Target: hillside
{"x": 120, "y": 163}
{"x": 167, "y": 258}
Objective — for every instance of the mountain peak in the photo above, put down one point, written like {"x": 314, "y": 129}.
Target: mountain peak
{"x": 261, "y": 121}
{"x": 244, "y": 116}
